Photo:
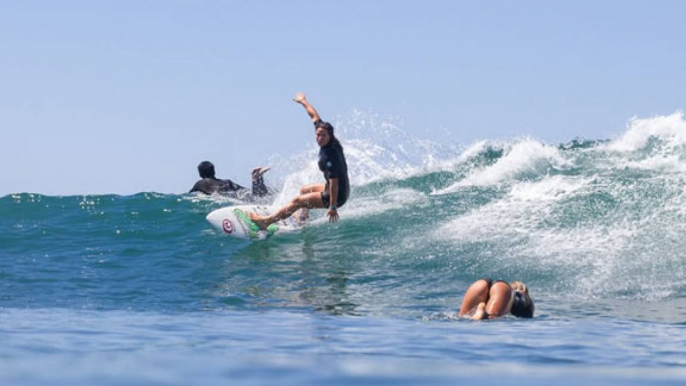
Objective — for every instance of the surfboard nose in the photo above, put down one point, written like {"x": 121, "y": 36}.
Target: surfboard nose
{"x": 215, "y": 218}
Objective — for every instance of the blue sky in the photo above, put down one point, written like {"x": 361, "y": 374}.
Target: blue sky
{"x": 128, "y": 96}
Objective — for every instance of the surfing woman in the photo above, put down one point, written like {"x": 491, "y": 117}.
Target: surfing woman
{"x": 488, "y": 299}
{"x": 334, "y": 192}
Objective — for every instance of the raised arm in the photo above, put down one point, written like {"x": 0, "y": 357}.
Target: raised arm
{"x": 300, "y": 98}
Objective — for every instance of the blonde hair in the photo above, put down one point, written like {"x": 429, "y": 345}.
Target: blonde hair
{"x": 519, "y": 286}
{"x": 525, "y": 308}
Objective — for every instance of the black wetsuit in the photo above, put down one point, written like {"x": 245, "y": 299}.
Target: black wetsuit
{"x": 332, "y": 164}
{"x": 230, "y": 188}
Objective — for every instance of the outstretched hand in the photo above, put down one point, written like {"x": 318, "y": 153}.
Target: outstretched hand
{"x": 333, "y": 215}
{"x": 299, "y": 98}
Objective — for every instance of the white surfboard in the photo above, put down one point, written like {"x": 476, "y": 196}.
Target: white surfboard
{"x": 234, "y": 221}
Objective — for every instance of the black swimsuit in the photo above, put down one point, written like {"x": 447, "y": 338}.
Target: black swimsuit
{"x": 491, "y": 282}
{"x": 332, "y": 164}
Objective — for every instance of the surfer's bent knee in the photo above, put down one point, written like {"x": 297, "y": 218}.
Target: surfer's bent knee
{"x": 299, "y": 201}
{"x": 304, "y": 201}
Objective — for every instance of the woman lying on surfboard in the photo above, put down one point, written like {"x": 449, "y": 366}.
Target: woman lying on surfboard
{"x": 488, "y": 299}
{"x": 334, "y": 192}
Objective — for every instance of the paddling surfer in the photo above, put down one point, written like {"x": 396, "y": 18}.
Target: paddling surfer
{"x": 209, "y": 184}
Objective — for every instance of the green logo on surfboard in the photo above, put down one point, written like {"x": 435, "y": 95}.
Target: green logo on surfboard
{"x": 253, "y": 230}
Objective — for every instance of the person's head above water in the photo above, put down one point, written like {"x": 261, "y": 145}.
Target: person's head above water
{"x": 324, "y": 134}
{"x": 522, "y": 306}
{"x": 324, "y": 125}
{"x": 206, "y": 169}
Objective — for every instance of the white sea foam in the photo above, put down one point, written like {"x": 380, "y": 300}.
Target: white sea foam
{"x": 671, "y": 128}
{"x": 654, "y": 144}
{"x": 631, "y": 244}
{"x": 392, "y": 200}
{"x": 524, "y": 156}
{"x": 517, "y": 214}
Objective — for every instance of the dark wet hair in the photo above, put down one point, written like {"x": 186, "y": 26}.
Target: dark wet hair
{"x": 206, "y": 169}
{"x": 329, "y": 128}
{"x": 523, "y": 306}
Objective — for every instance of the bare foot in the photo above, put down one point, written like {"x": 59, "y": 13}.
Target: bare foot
{"x": 260, "y": 170}
{"x": 261, "y": 222}
{"x": 480, "y": 312}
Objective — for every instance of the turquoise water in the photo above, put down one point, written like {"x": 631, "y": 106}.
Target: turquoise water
{"x": 119, "y": 290}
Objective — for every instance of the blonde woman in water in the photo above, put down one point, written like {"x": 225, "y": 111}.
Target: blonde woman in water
{"x": 488, "y": 299}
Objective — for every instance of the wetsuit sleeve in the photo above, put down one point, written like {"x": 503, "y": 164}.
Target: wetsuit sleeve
{"x": 229, "y": 186}
{"x": 235, "y": 186}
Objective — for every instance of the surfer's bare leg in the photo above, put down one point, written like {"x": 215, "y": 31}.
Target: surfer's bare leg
{"x": 476, "y": 294}
{"x": 309, "y": 200}
{"x": 304, "y": 213}
{"x": 480, "y": 312}
{"x": 499, "y": 299}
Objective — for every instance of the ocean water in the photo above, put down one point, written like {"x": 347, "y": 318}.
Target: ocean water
{"x": 139, "y": 289}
